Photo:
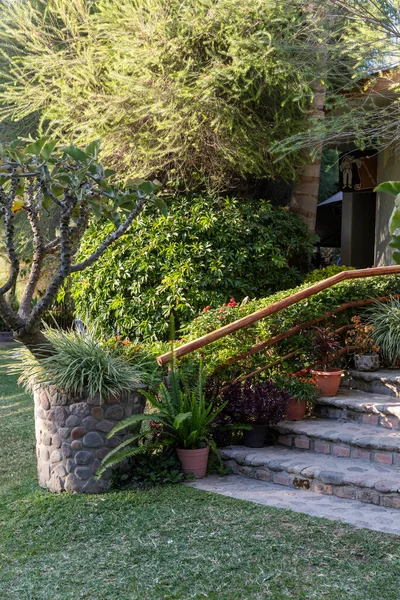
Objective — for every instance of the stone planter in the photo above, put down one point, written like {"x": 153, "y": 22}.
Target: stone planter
{"x": 366, "y": 362}
{"x": 71, "y": 438}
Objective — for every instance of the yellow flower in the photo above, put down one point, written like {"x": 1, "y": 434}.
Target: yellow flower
{"x": 17, "y": 205}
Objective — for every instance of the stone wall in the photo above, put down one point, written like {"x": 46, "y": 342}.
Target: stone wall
{"x": 71, "y": 438}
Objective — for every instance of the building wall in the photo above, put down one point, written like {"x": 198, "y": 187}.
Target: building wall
{"x": 388, "y": 170}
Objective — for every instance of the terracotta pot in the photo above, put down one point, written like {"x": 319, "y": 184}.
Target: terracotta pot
{"x": 296, "y": 410}
{"x": 255, "y": 437}
{"x": 366, "y": 362}
{"x": 194, "y": 461}
{"x": 328, "y": 382}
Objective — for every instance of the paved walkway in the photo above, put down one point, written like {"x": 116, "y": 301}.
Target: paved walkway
{"x": 355, "y": 513}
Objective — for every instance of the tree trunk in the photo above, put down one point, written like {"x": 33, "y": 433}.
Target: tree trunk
{"x": 304, "y": 198}
{"x": 36, "y": 342}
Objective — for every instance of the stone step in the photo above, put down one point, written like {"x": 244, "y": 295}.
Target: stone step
{"x": 361, "y": 407}
{"x": 368, "y": 482}
{"x": 341, "y": 439}
{"x": 384, "y": 381}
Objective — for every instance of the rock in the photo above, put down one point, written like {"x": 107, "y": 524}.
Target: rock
{"x": 55, "y": 456}
{"x": 46, "y": 439}
{"x": 44, "y": 401}
{"x": 97, "y": 413}
{"x": 57, "y": 414}
{"x": 44, "y": 453}
{"x": 95, "y": 466}
{"x": 60, "y": 471}
{"x": 114, "y": 412}
{"x": 72, "y": 484}
{"x": 70, "y": 465}
{"x": 114, "y": 442}
{"x": 77, "y": 444}
{"x": 78, "y": 432}
{"x": 102, "y": 453}
{"x": 56, "y": 441}
{"x": 90, "y": 423}
{"x": 83, "y": 472}
{"x": 64, "y": 432}
{"x": 73, "y": 421}
{"x": 56, "y": 483}
{"x": 93, "y": 440}
{"x": 44, "y": 469}
{"x": 83, "y": 457}
{"x": 93, "y": 487}
{"x": 105, "y": 426}
{"x": 79, "y": 409}
{"x": 66, "y": 449}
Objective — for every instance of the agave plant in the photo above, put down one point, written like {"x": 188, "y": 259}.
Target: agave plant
{"x": 185, "y": 414}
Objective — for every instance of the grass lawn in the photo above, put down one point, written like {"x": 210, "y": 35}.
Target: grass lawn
{"x": 169, "y": 543}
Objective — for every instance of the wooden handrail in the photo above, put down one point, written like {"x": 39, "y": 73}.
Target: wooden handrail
{"x": 274, "y": 308}
{"x": 294, "y": 330}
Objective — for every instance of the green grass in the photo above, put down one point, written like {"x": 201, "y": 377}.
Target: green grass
{"x": 170, "y": 543}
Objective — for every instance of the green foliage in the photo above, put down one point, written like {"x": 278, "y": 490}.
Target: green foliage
{"x": 149, "y": 470}
{"x": 206, "y": 251}
{"x": 80, "y": 364}
{"x": 384, "y": 319}
{"x": 219, "y": 352}
{"x": 197, "y": 89}
{"x": 299, "y": 386}
{"x": 185, "y": 414}
{"x": 68, "y": 171}
{"x": 321, "y": 274}
{"x": 393, "y": 188}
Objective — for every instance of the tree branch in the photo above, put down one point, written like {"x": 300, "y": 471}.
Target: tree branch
{"x": 32, "y": 210}
{"x": 115, "y": 235}
{"x": 7, "y": 202}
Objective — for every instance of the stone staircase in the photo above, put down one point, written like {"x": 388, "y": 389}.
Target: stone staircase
{"x": 350, "y": 450}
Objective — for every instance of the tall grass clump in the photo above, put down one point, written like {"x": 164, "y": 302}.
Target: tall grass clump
{"x": 81, "y": 364}
{"x": 385, "y": 320}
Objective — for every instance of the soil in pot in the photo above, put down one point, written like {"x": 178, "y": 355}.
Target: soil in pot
{"x": 328, "y": 382}
{"x": 255, "y": 437}
{"x": 296, "y": 410}
{"x": 194, "y": 461}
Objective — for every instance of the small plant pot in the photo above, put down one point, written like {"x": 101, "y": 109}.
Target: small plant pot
{"x": 366, "y": 362}
{"x": 296, "y": 410}
{"x": 255, "y": 437}
{"x": 194, "y": 461}
{"x": 328, "y": 382}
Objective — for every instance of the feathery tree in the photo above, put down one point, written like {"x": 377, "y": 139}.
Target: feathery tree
{"x": 70, "y": 186}
{"x": 196, "y": 92}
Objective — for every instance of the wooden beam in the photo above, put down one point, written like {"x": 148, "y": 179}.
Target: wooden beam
{"x": 274, "y": 308}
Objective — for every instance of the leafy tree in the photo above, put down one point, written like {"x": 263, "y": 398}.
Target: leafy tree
{"x": 205, "y": 252}
{"x": 40, "y": 181}
{"x": 195, "y": 91}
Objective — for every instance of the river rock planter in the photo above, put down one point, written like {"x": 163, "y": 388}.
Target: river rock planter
{"x": 71, "y": 438}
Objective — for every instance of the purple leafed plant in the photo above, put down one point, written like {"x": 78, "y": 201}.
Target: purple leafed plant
{"x": 253, "y": 402}
{"x": 325, "y": 347}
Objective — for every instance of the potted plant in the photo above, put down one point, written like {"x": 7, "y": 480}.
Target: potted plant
{"x": 327, "y": 378}
{"x": 257, "y": 404}
{"x": 302, "y": 390}
{"x": 366, "y": 357}
{"x": 186, "y": 417}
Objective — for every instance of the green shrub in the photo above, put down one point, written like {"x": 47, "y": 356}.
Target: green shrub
{"x": 220, "y": 351}
{"x": 321, "y": 274}
{"x": 206, "y": 251}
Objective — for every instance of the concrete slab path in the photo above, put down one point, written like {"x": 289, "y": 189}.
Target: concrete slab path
{"x": 359, "y": 514}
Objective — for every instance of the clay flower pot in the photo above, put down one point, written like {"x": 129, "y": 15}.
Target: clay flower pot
{"x": 296, "y": 410}
{"x": 194, "y": 461}
{"x": 255, "y": 437}
{"x": 366, "y": 362}
{"x": 327, "y": 382}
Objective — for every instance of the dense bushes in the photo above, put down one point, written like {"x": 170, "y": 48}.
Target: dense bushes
{"x": 220, "y": 351}
{"x": 203, "y": 253}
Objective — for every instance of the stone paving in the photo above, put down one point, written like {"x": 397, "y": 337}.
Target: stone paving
{"x": 385, "y": 381}
{"x": 377, "y": 518}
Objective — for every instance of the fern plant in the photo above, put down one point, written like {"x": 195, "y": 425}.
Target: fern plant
{"x": 185, "y": 414}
